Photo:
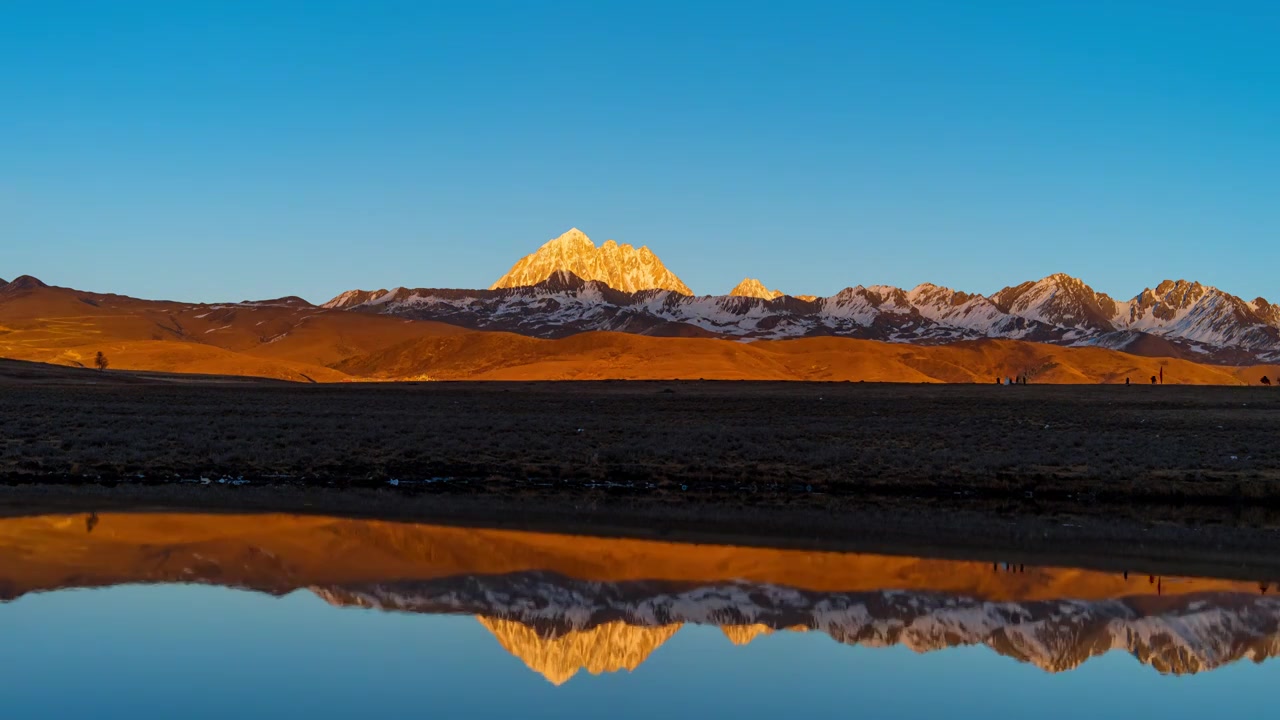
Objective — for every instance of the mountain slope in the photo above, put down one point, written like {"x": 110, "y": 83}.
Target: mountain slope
{"x": 620, "y": 266}
{"x": 1202, "y": 314}
{"x": 598, "y": 356}
{"x": 286, "y": 338}
{"x": 1058, "y": 300}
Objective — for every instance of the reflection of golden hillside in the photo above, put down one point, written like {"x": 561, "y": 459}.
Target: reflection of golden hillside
{"x": 603, "y": 649}
{"x": 281, "y": 553}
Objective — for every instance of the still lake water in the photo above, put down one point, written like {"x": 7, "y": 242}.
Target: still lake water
{"x": 284, "y": 616}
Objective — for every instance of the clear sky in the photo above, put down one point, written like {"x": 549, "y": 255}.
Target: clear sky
{"x": 229, "y": 149}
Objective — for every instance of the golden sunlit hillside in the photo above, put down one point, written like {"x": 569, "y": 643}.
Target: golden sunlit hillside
{"x": 294, "y": 340}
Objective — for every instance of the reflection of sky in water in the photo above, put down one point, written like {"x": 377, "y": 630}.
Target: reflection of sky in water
{"x": 202, "y": 652}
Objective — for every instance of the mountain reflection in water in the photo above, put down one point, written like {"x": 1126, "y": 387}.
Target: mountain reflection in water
{"x": 564, "y": 604}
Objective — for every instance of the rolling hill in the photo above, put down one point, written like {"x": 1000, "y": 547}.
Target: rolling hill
{"x": 289, "y": 338}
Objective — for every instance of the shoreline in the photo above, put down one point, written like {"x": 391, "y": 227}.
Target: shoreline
{"x": 1194, "y": 547}
{"x": 1099, "y": 475}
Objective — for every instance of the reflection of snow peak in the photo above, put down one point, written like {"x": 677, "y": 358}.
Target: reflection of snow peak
{"x": 1173, "y": 634}
{"x": 601, "y": 649}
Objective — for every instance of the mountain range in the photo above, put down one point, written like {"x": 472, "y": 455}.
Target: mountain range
{"x": 571, "y": 286}
{"x": 627, "y": 317}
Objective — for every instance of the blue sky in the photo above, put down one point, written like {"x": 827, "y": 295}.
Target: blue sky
{"x": 225, "y": 150}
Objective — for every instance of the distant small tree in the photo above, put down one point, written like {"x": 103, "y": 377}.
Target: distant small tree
{"x": 101, "y": 361}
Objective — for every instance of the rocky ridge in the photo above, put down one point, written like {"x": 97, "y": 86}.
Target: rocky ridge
{"x": 570, "y": 286}
{"x": 1175, "y": 319}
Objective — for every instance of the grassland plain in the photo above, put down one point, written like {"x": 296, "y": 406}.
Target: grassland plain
{"x": 1196, "y": 444}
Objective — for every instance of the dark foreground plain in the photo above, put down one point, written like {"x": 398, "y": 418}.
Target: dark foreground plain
{"x": 920, "y": 463}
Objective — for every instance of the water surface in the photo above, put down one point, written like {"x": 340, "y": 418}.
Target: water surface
{"x": 164, "y": 615}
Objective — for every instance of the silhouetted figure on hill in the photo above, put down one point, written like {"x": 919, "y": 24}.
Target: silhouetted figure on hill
{"x": 91, "y": 522}
{"x": 1266, "y": 380}
{"x": 1126, "y": 381}
{"x": 1153, "y": 379}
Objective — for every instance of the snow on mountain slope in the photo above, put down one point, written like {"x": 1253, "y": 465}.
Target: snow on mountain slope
{"x": 1201, "y": 314}
{"x": 945, "y": 305}
{"x": 1052, "y": 311}
{"x": 352, "y": 298}
{"x": 1059, "y": 300}
{"x": 1267, "y": 312}
{"x": 622, "y": 267}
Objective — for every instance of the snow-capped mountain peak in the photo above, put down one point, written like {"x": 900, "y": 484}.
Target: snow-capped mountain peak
{"x": 1059, "y": 300}
{"x": 1202, "y": 314}
{"x": 622, "y": 267}
{"x": 751, "y": 287}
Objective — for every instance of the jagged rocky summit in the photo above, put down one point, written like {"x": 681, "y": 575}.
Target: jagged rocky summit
{"x": 621, "y": 267}
{"x": 751, "y": 287}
